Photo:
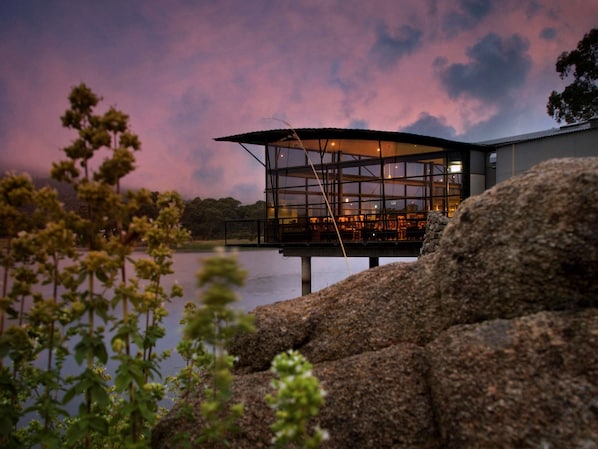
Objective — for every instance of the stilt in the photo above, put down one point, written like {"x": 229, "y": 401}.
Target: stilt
{"x": 305, "y": 275}
{"x": 374, "y": 262}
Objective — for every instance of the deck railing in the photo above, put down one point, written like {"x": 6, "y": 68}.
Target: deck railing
{"x": 363, "y": 228}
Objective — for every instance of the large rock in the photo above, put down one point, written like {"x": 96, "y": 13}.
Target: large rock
{"x": 526, "y": 245}
{"x": 373, "y": 400}
{"x": 491, "y": 341}
{"x": 499, "y": 257}
{"x": 435, "y": 225}
{"x": 530, "y": 382}
{"x": 368, "y": 311}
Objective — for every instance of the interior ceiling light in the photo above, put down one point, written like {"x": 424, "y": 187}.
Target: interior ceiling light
{"x": 454, "y": 167}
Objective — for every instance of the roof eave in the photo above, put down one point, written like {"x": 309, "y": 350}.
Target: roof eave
{"x": 276, "y": 135}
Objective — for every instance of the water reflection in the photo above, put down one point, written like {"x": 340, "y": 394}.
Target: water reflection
{"x": 271, "y": 277}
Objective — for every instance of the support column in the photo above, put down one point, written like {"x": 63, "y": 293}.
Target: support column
{"x": 305, "y": 275}
{"x": 374, "y": 262}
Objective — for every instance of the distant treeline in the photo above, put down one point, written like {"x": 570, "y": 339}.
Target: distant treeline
{"x": 204, "y": 218}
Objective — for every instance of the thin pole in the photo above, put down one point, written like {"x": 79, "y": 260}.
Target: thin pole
{"x": 305, "y": 275}
{"x": 338, "y": 234}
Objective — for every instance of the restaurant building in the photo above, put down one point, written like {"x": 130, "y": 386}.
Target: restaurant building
{"x": 359, "y": 193}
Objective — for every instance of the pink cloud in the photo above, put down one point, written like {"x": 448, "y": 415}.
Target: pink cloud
{"x": 189, "y": 73}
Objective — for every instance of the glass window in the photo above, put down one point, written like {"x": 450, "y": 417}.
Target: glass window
{"x": 415, "y": 170}
{"x": 350, "y": 187}
{"x": 359, "y": 183}
{"x": 395, "y": 205}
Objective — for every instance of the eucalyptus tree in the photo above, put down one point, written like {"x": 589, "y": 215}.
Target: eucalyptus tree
{"x": 579, "y": 100}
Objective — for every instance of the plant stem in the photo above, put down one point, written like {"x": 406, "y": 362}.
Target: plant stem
{"x": 48, "y": 392}
{"x": 90, "y": 355}
{"x": 148, "y": 356}
{"x": 5, "y": 289}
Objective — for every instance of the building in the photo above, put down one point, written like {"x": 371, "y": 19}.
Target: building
{"x": 516, "y": 154}
{"x": 360, "y": 193}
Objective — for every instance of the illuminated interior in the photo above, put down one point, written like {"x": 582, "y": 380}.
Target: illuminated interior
{"x": 376, "y": 190}
{"x": 374, "y": 185}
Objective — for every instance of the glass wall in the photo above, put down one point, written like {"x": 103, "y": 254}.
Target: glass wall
{"x": 373, "y": 191}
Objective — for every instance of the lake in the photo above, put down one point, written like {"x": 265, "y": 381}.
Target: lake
{"x": 271, "y": 277}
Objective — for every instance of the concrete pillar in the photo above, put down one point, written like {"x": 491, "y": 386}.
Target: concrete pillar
{"x": 305, "y": 275}
{"x": 374, "y": 262}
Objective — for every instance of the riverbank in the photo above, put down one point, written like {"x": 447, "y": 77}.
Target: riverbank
{"x": 210, "y": 245}
{"x": 189, "y": 246}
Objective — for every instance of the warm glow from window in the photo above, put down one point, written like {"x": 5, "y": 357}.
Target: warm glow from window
{"x": 455, "y": 167}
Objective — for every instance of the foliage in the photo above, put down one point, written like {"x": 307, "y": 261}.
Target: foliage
{"x": 76, "y": 300}
{"x": 298, "y": 398}
{"x": 579, "y": 100}
{"x": 68, "y": 297}
{"x": 205, "y": 218}
{"x": 209, "y": 327}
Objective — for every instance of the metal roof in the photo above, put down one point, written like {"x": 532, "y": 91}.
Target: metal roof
{"x": 589, "y": 125}
{"x": 277, "y": 135}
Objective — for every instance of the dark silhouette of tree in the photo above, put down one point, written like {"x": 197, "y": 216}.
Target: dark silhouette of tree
{"x": 255, "y": 211}
{"x": 579, "y": 100}
{"x": 205, "y": 218}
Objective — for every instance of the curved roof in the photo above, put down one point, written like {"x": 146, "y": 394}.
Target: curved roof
{"x": 277, "y": 135}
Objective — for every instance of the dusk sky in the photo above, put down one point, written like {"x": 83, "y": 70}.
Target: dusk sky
{"x": 188, "y": 71}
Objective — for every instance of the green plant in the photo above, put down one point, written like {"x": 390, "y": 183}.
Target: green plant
{"x": 298, "y": 399}
{"x": 68, "y": 293}
{"x": 209, "y": 327}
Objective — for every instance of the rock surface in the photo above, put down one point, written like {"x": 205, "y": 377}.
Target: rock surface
{"x": 434, "y": 228}
{"x": 491, "y": 341}
{"x": 529, "y": 382}
{"x": 529, "y": 244}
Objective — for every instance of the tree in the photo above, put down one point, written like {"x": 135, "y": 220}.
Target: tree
{"x": 205, "y": 218}
{"x": 579, "y": 100}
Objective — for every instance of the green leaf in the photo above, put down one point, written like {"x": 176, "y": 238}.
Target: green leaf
{"x": 100, "y": 351}
{"x": 122, "y": 380}
{"x": 99, "y": 424}
{"x": 82, "y": 349}
{"x": 99, "y": 395}
{"x": 75, "y": 433}
{"x": 146, "y": 413}
{"x": 70, "y": 394}
{"x": 8, "y": 419}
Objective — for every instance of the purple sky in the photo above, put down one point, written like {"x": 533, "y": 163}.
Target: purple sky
{"x": 187, "y": 71}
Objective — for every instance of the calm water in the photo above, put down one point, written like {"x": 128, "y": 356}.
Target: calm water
{"x": 271, "y": 277}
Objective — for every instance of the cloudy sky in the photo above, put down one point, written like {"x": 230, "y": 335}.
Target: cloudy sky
{"x": 187, "y": 71}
